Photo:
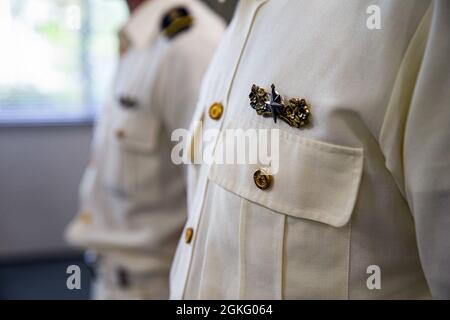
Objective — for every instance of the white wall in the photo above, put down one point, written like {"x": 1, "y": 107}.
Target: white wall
{"x": 40, "y": 169}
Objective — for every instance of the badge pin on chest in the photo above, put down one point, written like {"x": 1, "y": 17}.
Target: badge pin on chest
{"x": 293, "y": 111}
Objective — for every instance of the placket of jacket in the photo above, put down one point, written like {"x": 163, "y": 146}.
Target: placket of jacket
{"x": 240, "y": 30}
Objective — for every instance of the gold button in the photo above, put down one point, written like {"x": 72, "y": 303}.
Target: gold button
{"x": 188, "y": 235}
{"x": 85, "y": 217}
{"x": 120, "y": 134}
{"x": 262, "y": 180}
{"x": 216, "y": 111}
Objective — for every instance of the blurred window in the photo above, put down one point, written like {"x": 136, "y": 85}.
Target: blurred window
{"x": 57, "y": 57}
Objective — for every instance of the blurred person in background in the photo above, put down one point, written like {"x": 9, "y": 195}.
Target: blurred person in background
{"x": 132, "y": 197}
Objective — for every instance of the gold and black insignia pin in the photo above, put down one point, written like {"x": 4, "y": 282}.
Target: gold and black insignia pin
{"x": 294, "y": 111}
{"x": 175, "y": 21}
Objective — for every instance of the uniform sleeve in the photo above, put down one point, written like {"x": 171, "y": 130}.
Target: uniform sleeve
{"x": 416, "y": 141}
{"x": 427, "y": 155}
{"x": 86, "y": 192}
{"x": 89, "y": 179}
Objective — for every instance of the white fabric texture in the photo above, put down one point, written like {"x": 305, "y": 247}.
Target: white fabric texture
{"x": 375, "y": 160}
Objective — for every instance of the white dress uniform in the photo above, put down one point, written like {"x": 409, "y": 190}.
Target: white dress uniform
{"x": 132, "y": 195}
{"x": 364, "y": 186}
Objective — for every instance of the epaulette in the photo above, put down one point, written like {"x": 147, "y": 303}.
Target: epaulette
{"x": 176, "y": 21}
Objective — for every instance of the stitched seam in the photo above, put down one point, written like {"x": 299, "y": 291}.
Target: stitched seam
{"x": 283, "y": 255}
{"x": 242, "y": 227}
{"x": 349, "y": 259}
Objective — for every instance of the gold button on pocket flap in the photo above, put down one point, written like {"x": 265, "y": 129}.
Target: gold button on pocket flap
{"x": 216, "y": 111}
{"x": 263, "y": 180}
{"x": 85, "y": 217}
{"x": 315, "y": 180}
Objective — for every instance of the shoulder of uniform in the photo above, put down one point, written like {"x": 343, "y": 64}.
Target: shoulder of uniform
{"x": 175, "y": 21}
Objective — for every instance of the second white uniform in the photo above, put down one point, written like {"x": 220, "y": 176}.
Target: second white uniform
{"x": 132, "y": 195}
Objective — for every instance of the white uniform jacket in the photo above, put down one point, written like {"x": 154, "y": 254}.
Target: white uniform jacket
{"x": 133, "y": 203}
{"x": 360, "y": 205}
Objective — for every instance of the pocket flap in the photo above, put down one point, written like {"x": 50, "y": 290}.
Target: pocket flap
{"x": 135, "y": 132}
{"x": 315, "y": 180}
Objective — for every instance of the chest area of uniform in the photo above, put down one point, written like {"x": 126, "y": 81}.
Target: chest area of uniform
{"x": 327, "y": 53}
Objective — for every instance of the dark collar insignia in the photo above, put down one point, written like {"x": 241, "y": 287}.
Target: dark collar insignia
{"x": 176, "y": 21}
{"x": 128, "y": 102}
{"x": 294, "y": 112}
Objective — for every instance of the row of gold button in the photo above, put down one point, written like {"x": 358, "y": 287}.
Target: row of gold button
{"x": 262, "y": 180}
{"x": 215, "y": 112}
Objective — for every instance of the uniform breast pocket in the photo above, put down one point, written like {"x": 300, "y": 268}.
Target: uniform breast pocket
{"x": 295, "y": 221}
{"x": 129, "y": 159}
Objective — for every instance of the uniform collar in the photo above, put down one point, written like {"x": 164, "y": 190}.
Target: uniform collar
{"x": 143, "y": 24}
